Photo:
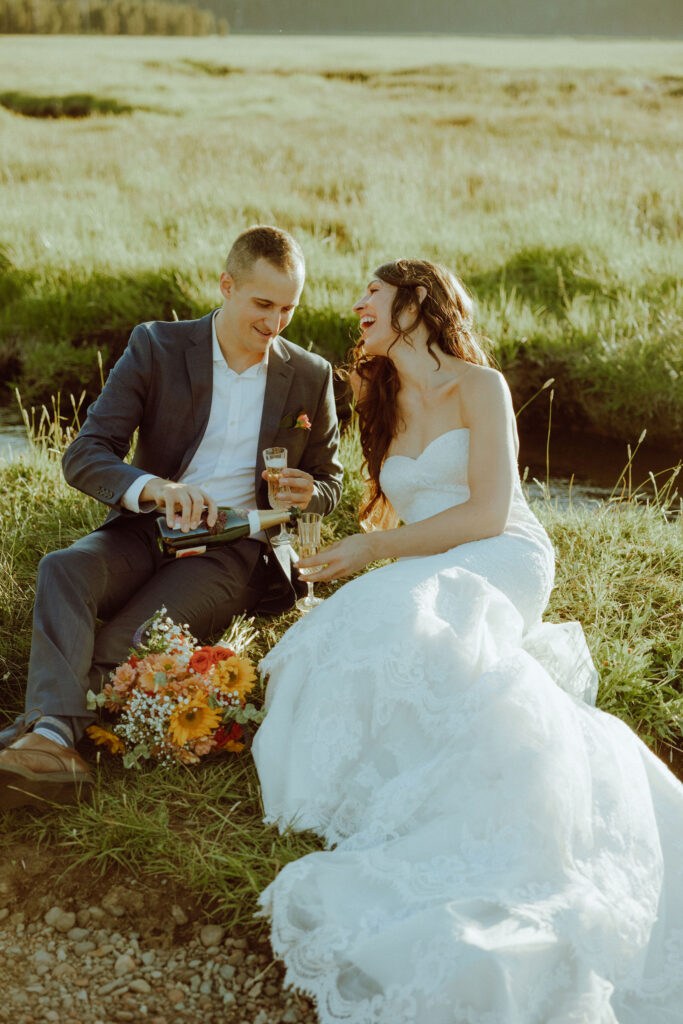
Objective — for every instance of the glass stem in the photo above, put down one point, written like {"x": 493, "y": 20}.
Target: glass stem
{"x": 309, "y": 596}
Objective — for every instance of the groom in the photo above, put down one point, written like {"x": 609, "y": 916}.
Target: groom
{"x": 206, "y": 397}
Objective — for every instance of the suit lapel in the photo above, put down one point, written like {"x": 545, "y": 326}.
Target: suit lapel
{"x": 199, "y": 365}
{"x": 278, "y": 383}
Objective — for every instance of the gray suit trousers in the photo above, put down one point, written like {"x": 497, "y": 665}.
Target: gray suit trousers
{"x": 119, "y": 574}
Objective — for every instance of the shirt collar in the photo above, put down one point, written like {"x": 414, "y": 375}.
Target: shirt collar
{"x": 218, "y": 357}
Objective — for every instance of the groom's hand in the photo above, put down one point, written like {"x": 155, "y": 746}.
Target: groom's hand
{"x": 299, "y": 484}
{"x": 183, "y": 505}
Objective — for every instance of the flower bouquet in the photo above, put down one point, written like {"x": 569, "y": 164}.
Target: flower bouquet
{"x": 177, "y": 701}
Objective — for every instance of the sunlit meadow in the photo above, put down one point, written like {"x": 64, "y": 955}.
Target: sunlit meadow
{"x": 545, "y": 172}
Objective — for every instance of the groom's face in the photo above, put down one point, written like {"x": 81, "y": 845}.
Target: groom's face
{"x": 259, "y": 304}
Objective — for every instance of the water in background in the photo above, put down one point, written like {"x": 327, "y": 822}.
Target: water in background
{"x": 596, "y": 463}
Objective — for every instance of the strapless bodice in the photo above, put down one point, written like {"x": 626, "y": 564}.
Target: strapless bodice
{"x": 437, "y": 480}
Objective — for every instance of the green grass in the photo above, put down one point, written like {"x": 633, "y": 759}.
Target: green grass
{"x": 619, "y": 573}
{"x": 544, "y": 172}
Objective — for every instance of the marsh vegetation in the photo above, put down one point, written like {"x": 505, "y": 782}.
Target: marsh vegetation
{"x": 546, "y": 174}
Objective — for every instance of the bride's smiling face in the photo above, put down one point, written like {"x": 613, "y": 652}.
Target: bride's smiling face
{"x": 374, "y": 310}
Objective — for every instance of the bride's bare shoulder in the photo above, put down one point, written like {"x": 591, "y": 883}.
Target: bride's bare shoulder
{"x": 484, "y": 385}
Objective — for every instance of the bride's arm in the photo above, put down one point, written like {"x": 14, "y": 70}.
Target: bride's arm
{"x": 492, "y": 467}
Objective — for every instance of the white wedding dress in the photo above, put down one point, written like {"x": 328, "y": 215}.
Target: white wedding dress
{"x": 502, "y": 852}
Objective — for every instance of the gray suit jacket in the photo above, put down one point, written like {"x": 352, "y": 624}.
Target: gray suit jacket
{"x": 162, "y": 386}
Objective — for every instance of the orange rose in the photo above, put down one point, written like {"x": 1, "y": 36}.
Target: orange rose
{"x": 204, "y": 658}
{"x": 221, "y": 653}
{"x": 201, "y": 661}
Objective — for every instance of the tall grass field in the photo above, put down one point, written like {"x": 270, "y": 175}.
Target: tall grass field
{"x": 547, "y": 173}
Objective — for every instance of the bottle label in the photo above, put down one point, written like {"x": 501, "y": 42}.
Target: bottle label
{"x": 191, "y": 551}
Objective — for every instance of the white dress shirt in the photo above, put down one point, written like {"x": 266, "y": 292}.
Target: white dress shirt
{"x": 224, "y": 464}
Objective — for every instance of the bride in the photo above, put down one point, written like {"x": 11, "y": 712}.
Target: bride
{"x": 498, "y": 851}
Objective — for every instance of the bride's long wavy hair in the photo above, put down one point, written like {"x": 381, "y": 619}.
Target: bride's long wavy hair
{"x": 447, "y": 312}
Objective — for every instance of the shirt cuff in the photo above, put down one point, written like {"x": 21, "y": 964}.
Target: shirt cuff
{"x": 131, "y": 497}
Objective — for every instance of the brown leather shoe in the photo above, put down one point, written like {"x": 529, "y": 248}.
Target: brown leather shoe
{"x": 36, "y": 770}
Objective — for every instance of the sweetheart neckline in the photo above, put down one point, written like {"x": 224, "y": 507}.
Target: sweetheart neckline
{"x": 438, "y": 437}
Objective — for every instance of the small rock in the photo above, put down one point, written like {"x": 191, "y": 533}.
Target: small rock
{"x": 178, "y": 914}
{"x": 96, "y": 913}
{"x": 115, "y": 909}
{"x": 211, "y": 935}
{"x": 261, "y": 1018}
{"x": 4, "y": 913}
{"x": 41, "y": 956}
{"x": 141, "y": 986}
{"x": 82, "y": 918}
{"x": 289, "y": 1016}
{"x": 227, "y": 972}
{"x": 236, "y": 958}
{"x": 107, "y": 989}
{"x": 255, "y": 991}
{"x": 104, "y": 950}
{"x": 148, "y": 958}
{"x": 51, "y": 1015}
{"x": 62, "y": 970}
{"x": 61, "y": 920}
{"x": 81, "y": 948}
{"x": 205, "y": 988}
{"x": 229, "y": 999}
{"x": 78, "y": 934}
{"x": 175, "y": 995}
{"x": 124, "y": 965}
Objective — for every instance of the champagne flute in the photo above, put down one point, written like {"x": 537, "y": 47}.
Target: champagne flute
{"x": 308, "y": 526}
{"x": 279, "y": 498}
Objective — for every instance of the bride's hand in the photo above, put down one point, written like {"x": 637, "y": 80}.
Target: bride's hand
{"x": 341, "y": 559}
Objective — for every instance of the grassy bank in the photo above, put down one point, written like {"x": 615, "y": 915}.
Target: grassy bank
{"x": 619, "y": 573}
{"x": 545, "y": 173}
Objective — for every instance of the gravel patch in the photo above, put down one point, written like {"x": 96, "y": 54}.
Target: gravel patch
{"x": 80, "y": 964}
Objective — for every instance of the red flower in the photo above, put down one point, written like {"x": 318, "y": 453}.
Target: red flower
{"x": 204, "y": 658}
{"x": 221, "y": 653}
{"x": 232, "y": 735}
{"x": 201, "y": 661}
{"x": 303, "y": 422}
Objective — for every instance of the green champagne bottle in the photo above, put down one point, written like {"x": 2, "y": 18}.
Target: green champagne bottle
{"x": 230, "y": 525}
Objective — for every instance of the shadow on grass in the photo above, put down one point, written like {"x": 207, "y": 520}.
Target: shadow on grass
{"x": 558, "y": 312}
{"x": 51, "y": 330}
{"x": 73, "y": 105}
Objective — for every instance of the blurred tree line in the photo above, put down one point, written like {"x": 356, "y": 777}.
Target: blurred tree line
{"x": 109, "y": 17}
{"x": 654, "y": 18}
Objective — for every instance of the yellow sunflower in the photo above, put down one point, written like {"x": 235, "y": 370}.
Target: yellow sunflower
{"x": 193, "y": 719}
{"x": 105, "y": 738}
{"x": 234, "y": 675}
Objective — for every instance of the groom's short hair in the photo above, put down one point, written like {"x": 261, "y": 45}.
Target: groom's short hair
{"x": 264, "y": 242}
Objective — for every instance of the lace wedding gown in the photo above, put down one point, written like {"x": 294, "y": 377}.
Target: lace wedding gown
{"x": 502, "y": 852}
